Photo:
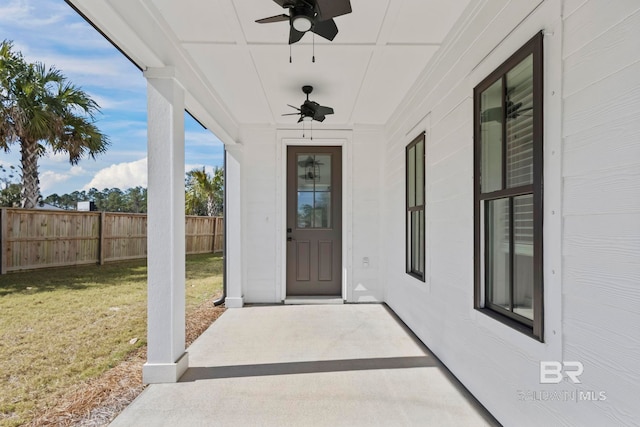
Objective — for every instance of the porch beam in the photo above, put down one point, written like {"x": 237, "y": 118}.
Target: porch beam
{"x": 166, "y": 356}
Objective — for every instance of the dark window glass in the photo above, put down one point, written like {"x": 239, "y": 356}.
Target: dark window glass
{"x": 314, "y": 191}
{"x": 508, "y": 191}
{"x": 415, "y": 158}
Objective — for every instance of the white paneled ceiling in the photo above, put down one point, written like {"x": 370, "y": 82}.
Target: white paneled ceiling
{"x": 380, "y": 50}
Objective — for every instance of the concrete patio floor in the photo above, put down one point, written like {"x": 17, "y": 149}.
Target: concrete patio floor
{"x": 333, "y": 365}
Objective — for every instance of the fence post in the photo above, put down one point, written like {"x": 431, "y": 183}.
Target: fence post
{"x": 101, "y": 250}
{"x": 4, "y": 230}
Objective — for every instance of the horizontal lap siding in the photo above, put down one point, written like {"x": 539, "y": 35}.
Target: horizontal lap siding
{"x": 261, "y": 232}
{"x": 591, "y": 212}
{"x": 441, "y": 311}
{"x": 601, "y": 168}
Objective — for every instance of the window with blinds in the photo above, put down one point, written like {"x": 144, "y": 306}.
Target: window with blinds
{"x": 508, "y": 190}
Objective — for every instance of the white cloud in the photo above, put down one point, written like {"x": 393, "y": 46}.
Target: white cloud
{"x": 25, "y": 13}
{"x": 59, "y": 157}
{"x": 121, "y": 175}
{"x": 13, "y": 10}
{"x": 77, "y": 171}
{"x": 49, "y": 179}
{"x": 120, "y": 105}
{"x": 26, "y": 19}
{"x": 102, "y": 71}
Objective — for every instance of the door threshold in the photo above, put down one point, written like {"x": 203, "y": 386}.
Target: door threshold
{"x": 313, "y": 300}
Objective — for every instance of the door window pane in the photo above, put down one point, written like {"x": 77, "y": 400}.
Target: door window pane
{"x": 491, "y": 117}
{"x": 322, "y": 210}
{"x": 305, "y": 209}
{"x": 306, "y": 172}
{"x": 523, "y": 260}
{"x": 323, "y": 172}
{"x": 314, "y": 190}
{"x": 519, "y": 124}
{"x": 498, "y": 254}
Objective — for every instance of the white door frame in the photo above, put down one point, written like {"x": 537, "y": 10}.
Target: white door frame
{"x": 285, "y": 139}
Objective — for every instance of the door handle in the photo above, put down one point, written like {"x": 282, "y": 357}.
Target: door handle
{"x": 289, "y": 239}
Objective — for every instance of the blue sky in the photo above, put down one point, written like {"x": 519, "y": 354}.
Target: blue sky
{"x": 51, "y": 32}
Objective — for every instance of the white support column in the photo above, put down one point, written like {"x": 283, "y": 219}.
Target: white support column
{"x": 233, "y": 218}
{"x": 166, "y": 356}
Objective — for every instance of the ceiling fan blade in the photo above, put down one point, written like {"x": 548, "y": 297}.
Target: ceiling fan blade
{"x": 326, "y": 29}
{"x": 325, "y": 111}
{"x": 299, "y": 120}
{"x": 294, "y": 35}
{"x": 318, "y": 118}
{"x": 291, "y": 114}
{"x": 277, "y": 18}
{"x": 285, "y": 3}
{"x": 328, "y": 9}
{"x": 294, "y": 107}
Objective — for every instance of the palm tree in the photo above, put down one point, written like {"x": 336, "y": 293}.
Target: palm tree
{"x": 40, "y": 108}
{"x": 204, "y": 192}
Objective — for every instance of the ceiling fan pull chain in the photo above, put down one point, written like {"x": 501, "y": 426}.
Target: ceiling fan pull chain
{"x": 290, "y": 61}
{"x": 313, "y": 58}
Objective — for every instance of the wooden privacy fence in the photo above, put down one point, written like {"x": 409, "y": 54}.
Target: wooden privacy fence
{"x": 32, "y": 239}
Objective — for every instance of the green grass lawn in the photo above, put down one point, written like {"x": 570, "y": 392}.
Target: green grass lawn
{"x": 59, "y": 327}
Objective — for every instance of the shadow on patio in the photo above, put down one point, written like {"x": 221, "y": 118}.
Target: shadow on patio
{"x": 309, "y": 365}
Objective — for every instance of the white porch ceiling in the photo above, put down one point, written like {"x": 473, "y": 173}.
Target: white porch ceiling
{"x": 238, "y": 71}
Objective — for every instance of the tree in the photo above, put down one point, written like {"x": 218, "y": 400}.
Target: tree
{"x": 9, "y": 189}
{"x": 204, "y": 192}
{"x": 39, "y": 108}
{"x": 10, "y": 195}
{"x": 136, "y": 200}
{"x": 132, "y": 200}
{"x": 114, "y": 201}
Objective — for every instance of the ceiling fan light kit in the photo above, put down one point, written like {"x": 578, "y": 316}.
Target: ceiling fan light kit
{"x": 310, "y": 15}
{"x": 301, "y": 23}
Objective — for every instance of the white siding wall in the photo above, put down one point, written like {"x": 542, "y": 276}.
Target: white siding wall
{"x": 601, "y": 203}
{"x": 591, "y": 210}
{"x": 260, "y": 223}
{"x": 263, "y": 212}
{"x": 365, "y": 284}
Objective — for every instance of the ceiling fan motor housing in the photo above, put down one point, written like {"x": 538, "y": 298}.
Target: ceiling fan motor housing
{"x": 302, "y": 17}
{"x": 307, "y": 109}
